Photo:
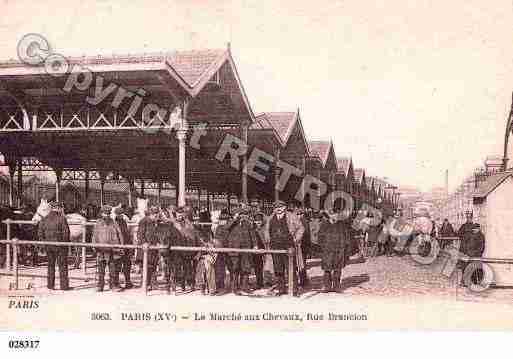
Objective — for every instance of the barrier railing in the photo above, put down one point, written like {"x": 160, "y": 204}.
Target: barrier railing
{"x": 15, "y": 243}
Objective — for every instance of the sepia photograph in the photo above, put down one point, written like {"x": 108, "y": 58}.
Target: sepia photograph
{"x": 253, "y": 166}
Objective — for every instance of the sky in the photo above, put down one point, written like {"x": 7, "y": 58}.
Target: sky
{"x": 408, "y": 89}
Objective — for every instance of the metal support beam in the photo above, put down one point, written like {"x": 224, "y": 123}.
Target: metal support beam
{"x": 130, "y": 192}
{"x": 86, "y": 187}
{"x": 12, "y": 170}
{"x": 58, "y": 174}
{"x": 244, "y": 179}
{"x": 276, "y": 174}
{"x": 102, "y": 188}
{"x": 20, "y": 182}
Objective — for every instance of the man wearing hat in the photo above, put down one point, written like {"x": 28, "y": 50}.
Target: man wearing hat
{"x": 220, "y": 235}
{"x": 241, "y": 236}
{"x": 146, "y": 233}
{"x": 284, "y": 230}
{"x": 125, "y": 262}
{"x": 306, "y": 244}
{"x": 472, "y": 244}
{"x": 189, "y": 236}
{"x": 54, "y": 227}
{"x": 333, "y": 240}
{"x": 107, "y": 231}
{"x": 258, "y": 259}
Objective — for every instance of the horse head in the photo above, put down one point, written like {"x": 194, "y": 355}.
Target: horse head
{"x": 42, "y": 211}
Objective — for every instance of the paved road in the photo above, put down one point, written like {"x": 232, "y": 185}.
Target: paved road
{"x": 384, "y": 277}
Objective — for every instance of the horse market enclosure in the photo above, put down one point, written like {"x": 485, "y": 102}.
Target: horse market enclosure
{"x": 134, "y": 119}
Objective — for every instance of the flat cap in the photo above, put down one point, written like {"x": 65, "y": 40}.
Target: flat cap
{"x": 280, "y": 203}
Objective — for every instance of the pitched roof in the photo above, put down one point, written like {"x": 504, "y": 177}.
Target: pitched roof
{"x": 192, "y": 69}
{"x": 491, "y": 182}
{"x": 191, "y": 65}
{"x": 343, "y": 164}
{"x": 320, "y": 149}
{"x": 281, "y": 122}
{"x": 358, "y": 174}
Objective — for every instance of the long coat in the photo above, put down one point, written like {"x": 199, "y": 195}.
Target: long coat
{"x": 54, "y": 227}
{"x": 334, "y": 241}
{"x": 473, "y": 244}
{"x": 296, "y": 228}
{"x": 241, "y": 236}
{"x": 107, "y": 231}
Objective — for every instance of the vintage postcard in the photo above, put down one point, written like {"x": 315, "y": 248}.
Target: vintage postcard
{"x": 255, "y": 166}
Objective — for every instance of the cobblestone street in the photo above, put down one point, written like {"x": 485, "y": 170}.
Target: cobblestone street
{"x": 379, "y": 277}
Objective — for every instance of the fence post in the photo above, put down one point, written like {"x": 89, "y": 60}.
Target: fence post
{"x": 15, "y": 262}
{"x": 8, "y": 246}
{"x": 84, "y": 227}
{"x": 291, "y": 271}
{"x": 145, "y": 268}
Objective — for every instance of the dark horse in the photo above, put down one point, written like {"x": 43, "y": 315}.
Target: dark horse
{"x": 27, "y": 254}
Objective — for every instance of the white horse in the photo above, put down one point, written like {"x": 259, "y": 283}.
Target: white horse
{"x": 214, "y": 215}
{"x": 76, "y": 223}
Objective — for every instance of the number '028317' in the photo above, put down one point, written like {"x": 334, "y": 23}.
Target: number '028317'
{"x": 23, "y": 344}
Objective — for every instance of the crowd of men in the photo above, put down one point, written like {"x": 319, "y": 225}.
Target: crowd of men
{"x": 209, "y": 271}
{"x": 336, "y": 240}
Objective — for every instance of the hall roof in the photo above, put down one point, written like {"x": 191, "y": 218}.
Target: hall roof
{"x": 321, "y": 149}
{"x": 168, "y": 76}
{"x": 343, "y": 164}
{"x": 282, "y": 123}
{"x": 359, "y": 174}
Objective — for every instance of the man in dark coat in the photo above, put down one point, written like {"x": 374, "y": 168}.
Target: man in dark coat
{"x": 333, "y": 239}
{"x": 466, "y": 228}
{"x": 220, "y": 235}
{"x": 189, "y": 236}
{"x": 258, "y": 259}
{"x": 446, "y": 231}
{"x": 472, "y": 245}
{"x": 54, "y": 227}
{"x": 107, "y": 231}
{"x": 284, "y": 230}
{"x": 305, "y": 248}
{"x": 125, "y": 263}
{"x": 241, "y": 236}
{"x": 147, "y": 234}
